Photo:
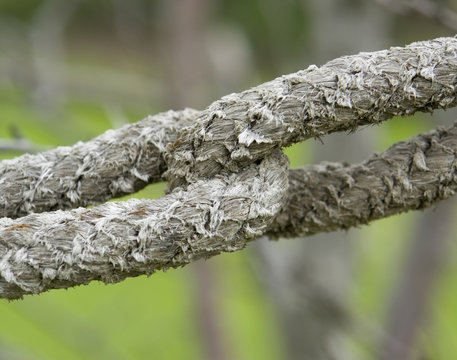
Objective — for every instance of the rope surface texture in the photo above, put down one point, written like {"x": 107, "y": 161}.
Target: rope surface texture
{"x": 228, "y": 180}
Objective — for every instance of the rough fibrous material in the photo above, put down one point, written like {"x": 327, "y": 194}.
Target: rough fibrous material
{"x": 236, "y": 130}
{"x": 116, "y": 163}
{"x": 119, "y": 239}
{"x": 410, "y": 175}
{"x": 340, "y": 96}
{"x": 228, "y": 179}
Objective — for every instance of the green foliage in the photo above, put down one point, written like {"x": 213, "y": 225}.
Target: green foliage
{"x": 23, "y": 9}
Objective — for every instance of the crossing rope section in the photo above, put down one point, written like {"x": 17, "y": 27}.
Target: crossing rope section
{"x": 228, "y": 180}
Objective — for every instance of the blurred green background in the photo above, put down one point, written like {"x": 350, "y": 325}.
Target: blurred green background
{"x": 70, "y": 70}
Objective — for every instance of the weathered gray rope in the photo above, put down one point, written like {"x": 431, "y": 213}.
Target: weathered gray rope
{"x": 340, "y": 96}
{"x": 236, "y": 130}
{"x": 410, "y": 175}
{"x": 113, "y": 164}
{"x": 119, "y": 239}
{"x": 228, "y": 178}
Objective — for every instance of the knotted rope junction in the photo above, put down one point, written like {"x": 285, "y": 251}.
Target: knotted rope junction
{"x": 228, "y": 179}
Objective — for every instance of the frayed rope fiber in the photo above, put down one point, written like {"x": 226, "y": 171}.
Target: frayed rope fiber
{"x": 228, "y": 180}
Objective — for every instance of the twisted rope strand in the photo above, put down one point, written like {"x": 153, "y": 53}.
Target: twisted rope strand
{"x": 410, "y": 175}
{"x": 340, "y": 96}
{"x": 229, "y": 181}
{"x": 118, "y": 239}
{"x": 236, "y": 130}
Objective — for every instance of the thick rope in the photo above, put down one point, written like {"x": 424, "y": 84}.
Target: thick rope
{"x": 227, "y": 177}
{"x": 119, "y": 239}
{"x": 236, "y": 130}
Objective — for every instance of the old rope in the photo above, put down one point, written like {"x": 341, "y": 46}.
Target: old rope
{"x": 228, "y": 179}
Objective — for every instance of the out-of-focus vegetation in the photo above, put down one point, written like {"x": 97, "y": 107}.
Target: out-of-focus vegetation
{"x": 70, "y": 70}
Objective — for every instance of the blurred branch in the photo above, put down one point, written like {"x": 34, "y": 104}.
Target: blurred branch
{"x": 426, "y": 8}
{"x": 187, "y": 61}
{"x": 20, "y": 145}
{"x": 409, "y": 308}
{"x": 129, "y": 18}
{"x": 47, "y": 38}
